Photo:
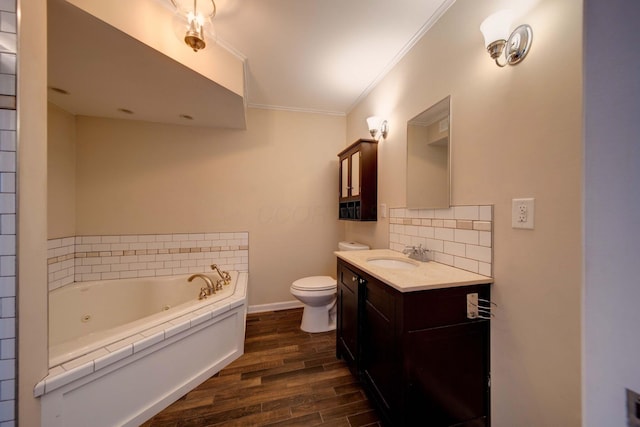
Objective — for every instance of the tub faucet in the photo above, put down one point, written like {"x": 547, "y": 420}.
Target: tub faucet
{"x": 418, "y": 253}
{"x": 210, "y": 288}
{"x": 226, "y": 277}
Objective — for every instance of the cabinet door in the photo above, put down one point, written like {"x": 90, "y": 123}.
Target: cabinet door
{"x": 447, "y": 372}
{"x": 347, "y": 327}
{"x": 380, "y": 364}
{"x": 355, "y": 174}
{"x": 344, "y": 177}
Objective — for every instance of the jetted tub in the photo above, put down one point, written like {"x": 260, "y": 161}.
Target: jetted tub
{"x": 122, "y": 350}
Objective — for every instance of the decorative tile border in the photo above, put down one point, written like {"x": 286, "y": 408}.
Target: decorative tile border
{"x": 460, "y": 236}
{"x": 84, "y": 258}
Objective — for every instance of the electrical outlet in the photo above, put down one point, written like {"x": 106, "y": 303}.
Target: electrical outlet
{"x": 522, "y": 213}
{"x": 633, "y": 408}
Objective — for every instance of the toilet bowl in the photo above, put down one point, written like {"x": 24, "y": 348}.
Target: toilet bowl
{"x": 318, "y": 294}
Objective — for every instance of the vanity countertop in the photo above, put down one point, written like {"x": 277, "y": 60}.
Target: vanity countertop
{"x": 426, "y": 275}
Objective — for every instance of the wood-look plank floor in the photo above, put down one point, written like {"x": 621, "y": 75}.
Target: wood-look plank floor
{"x": 286, "y": 377}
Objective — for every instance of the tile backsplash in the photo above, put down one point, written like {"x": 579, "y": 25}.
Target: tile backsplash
{"x": 460, "y": 236}
{"x": 84, "y": 258}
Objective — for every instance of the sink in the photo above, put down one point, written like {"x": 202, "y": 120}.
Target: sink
{"x": 394, "y": 263}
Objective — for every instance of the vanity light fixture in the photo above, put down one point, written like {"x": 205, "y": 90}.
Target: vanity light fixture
{"x": 197, "y": 13}
{"x": 495, "y": 30}
{"x": 377, "y": 126}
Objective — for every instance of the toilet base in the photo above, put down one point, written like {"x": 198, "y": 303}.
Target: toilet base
{"x": 318, "y": 319}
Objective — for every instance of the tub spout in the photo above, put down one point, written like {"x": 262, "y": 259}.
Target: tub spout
{"x": 210, "y": 287}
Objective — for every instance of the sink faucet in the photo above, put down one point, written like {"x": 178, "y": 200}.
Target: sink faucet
{"x": 418, "y": 253}
{"x": 210, "y": 288}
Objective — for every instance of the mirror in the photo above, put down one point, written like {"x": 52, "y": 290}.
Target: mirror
{"x": 428, "y": 158}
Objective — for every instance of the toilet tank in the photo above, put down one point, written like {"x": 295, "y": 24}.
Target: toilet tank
{"x": 352, "y": 246}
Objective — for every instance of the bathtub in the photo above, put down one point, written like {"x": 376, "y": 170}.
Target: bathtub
{"x": 122, "y": 350}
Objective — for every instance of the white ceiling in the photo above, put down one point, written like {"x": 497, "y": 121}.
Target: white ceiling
{"x": 305, "y": 55}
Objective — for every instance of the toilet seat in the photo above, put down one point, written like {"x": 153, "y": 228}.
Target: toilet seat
{"x": 315, "y": 283}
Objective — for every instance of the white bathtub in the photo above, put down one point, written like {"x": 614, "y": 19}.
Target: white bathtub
{"x": 122, "y": 350}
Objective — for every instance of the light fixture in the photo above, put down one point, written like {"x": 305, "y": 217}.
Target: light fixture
{"x": 197, "y": 14}
{"x": 495, "y": 30}
{"x": 377, "y": 126}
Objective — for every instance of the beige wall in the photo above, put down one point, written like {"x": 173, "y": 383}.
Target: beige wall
{"x": 516, "y": 132}
{"x": 277, "y": 180}
{"x": 61, "y": 173}
{"x": 32, "y": 201}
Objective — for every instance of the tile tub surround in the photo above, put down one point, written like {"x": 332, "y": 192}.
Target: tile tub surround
{"x": 83, "y": 258}
{"x": 460, "y": 236}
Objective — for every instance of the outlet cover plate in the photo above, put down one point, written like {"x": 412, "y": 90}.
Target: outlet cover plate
{"x": 523, "y": 213}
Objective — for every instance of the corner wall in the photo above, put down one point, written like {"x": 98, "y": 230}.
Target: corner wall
{"x": 611, "y": 206}
{"x": 277, "y": 180}
{"x": 32, "y": 206}
{"x": 516, "y": 132}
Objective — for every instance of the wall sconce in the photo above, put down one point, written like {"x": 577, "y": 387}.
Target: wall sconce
{"x": 495, "y": 30}
{"x": 197, "y": 14}
{"x": 377, "y": 126}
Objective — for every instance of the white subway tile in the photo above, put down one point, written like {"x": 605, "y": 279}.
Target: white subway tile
{"x": 486, "y": 213}
{"x": 130, "y": 238}
{"x": 479, "y": 253}
{"x": 113, "y": 357}
{"x": 7, "y": 389}
{"x": 443, "y": 258}
{"x": 443, "y": 213}
{"x": 467, "y": 212}
{"x": 8, "y": 307}
{"x": 454, "y": 248}
{"x": 444, "y": 234}
{"x": 148, "y": 341}
{"x": 466, "y": 236}
{"x": 484, "y": 238}
{"x": 466, "y": 264}
{"x": 8, "y": 223}
{"x": 110, "y": 239}
{"x": 8, "y": 348}
{"x": 90, "y": 240}
{"x": 484, "y": 269}
{"x": 435, "y": 245}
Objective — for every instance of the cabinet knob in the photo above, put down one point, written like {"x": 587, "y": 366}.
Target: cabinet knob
{"x": 354, "y": 278}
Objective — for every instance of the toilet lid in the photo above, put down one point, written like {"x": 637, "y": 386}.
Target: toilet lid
{"x": 315, "y": 283}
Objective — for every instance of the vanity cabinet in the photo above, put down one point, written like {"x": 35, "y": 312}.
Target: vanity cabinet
{"x": 359, "y": 181}
{"x": 347, "y": 347}
{"x": 420, "y": 359}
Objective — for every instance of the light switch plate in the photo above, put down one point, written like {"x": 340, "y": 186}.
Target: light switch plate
{"x": 523, "y": 213}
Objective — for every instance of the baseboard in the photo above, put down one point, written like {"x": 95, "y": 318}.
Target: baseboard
{"x": 285, "y": 305}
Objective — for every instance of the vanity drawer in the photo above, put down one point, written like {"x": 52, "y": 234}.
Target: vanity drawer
{"x": 439, "y": 307}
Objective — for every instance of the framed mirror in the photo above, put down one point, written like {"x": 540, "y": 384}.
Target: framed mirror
{"x": 428, "y": 157}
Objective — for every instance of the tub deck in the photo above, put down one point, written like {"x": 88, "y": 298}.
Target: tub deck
{"x": 195, "y": 345}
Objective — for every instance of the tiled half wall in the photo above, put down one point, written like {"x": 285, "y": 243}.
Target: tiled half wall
{"x": 460, "y": 236}
{"x": 84, "y": 258}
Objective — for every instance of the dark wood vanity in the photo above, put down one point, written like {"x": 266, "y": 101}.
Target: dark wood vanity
{"x": 421, "y": 360}
{"x": 359, "y": 181}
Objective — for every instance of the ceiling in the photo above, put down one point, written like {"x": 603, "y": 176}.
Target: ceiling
{"x": 303, "y": 55}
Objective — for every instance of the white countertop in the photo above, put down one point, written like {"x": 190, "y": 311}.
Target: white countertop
{"x": 426, "y": 275}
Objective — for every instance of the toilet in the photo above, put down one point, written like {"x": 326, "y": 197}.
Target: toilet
{"x": 318, "y": 294}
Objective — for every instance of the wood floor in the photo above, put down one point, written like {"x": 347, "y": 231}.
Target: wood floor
{"x": 285, "y": 378}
